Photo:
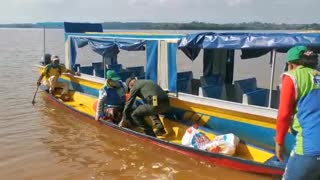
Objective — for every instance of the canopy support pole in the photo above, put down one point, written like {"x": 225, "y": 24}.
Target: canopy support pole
{"x": 273, "y": 61}
{"x": 104, "y": 67}
{"x": 44, "y": 40}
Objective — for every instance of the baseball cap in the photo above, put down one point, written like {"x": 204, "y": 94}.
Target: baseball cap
{"x": 296, "y": 52}
{"x": 111, "y": 74}
{"x": 54, "y": 58}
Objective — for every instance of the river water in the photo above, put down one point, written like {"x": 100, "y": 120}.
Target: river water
{"x": 44, "y": 141}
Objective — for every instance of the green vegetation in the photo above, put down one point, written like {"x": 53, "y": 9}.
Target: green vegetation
{"x": 186, "y": 26}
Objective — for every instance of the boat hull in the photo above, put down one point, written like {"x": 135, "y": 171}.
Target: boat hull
{"x": 254, "y": 129}
{"x": 217, "y": 159}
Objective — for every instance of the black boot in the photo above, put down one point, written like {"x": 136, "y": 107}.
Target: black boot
{"x": 150, "y": 132}
{"x": 160, "y": 132}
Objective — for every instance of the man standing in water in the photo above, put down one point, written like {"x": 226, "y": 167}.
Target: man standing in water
{"x": 300, "y": 108}
{"x": 155, "y": 100}
{"x": 52, "y": 72}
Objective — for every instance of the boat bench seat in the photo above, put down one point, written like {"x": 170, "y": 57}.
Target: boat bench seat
{"x": 213, "y": 91}
{"x": 115, "y": 67}
{"x": 184, "y": 85}
{"x": 86, "y": 70}
{"x": 185, "y": 75}
{"x": 137, "y": 70}
{"x": 244, "y": 86}
{"x": 213, "y": 79}
{"x": 99, "y": 73}
{"x": 97, "y": 65}
{"x": 258, "y": 97}
{"x": 184, "y": 82}
{"x": 143, "y": 76}
{"x": 124, "y": 75}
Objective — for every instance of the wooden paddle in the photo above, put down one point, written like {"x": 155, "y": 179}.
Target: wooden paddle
{"x": 34, "y": 96}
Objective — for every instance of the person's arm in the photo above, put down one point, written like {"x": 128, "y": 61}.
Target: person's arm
{"x": 285, "y": 113}
{"x": 100, "y": 104}
{"x": 286, "y": 108}
{"x": 65, "y": 70}
{"x": 44, "y": 71}
{"x": 128, "y": 106}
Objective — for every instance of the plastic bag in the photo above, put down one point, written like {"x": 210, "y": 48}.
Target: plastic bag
{"x": 223, "y": 144}
{"x": 188, "y": 135}
{"x": 229, "y": 138}
{"x": 221, "y": 147}
{"x": 199, "y": 140}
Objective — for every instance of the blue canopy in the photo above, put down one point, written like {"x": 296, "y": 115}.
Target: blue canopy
{"x": 110, "y": 47}
{"x": 82, "y": 27}
{"x": 254, "y": 44}
{"x": 106, "y": 47}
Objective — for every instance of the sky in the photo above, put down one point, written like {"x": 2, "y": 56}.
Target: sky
{"x": 180, "y": 11}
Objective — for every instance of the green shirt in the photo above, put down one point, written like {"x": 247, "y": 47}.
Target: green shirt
{"x": 145, "y": 89}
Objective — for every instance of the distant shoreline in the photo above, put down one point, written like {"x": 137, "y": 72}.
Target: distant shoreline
{"x": 182, "y": 26}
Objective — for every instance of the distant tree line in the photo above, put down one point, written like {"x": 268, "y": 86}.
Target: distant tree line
{"x": 187, "y": 26}
{"x": 210, "y": 26}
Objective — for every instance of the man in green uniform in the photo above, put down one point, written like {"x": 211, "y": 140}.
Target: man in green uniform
{"x": 155, "y": 101}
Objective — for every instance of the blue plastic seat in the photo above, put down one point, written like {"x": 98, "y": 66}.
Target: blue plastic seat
{"x": 97, "y": 65}
{"x": 115, "y": 67}
{"x": 244, "y": 86}
{"x": 86, "y": 70}
{"x": 211, "y": 80}
{"x": 99, "y": 73}
{"x": 137, "y": 71}
{"x": 142, "y": 76}
{"x": 185, "y": 75}
{"x": 258, "y": 97}
{"x": 213, "y": 91}
{"x": 124, "y": 75}
{"x": 184, "y": 85}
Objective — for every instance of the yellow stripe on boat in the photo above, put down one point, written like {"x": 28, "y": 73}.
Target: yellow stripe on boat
{"x": 84, "y": 82}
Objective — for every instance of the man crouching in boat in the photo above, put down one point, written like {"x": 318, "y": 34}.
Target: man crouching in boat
{"x": 155, "y": 100}
{"x": 52, "y": 72}
{"x": 112, "y": 98}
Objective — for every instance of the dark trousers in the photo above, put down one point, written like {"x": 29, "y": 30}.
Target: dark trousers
{"x": 139, "y": 114}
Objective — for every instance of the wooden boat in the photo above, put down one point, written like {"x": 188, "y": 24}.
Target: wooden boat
{"x": 247, "y": 158}
{"x": 253, "y": 123}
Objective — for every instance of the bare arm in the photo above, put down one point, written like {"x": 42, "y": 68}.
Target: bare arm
{"x": 65, "y": 70}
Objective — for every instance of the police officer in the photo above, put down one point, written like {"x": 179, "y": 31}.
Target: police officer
{"x": 155, "y": 101}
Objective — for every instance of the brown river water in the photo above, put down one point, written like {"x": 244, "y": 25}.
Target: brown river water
{"x": 45, "y": 141}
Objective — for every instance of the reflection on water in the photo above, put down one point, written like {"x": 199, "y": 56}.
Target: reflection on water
{"x": 46, "y": 141}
